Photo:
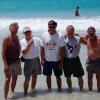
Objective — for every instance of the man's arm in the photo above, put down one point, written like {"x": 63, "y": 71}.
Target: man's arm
{"x": 42, "y": 54}
{"x": 83, "y": 39}
{"x": 62, "y": 56}
{"x": 26, "y": 50}
{"x": 4, "y": 49}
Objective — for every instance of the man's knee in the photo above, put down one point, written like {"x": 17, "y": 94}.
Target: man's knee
{"x": 49, "y": 77}
{"x": 14, "y": 78}
{"x": 27, "y": 79}
{"x": 7, "y": 81}
{"x": 58, "y": 77}
{"x": 34, "y": 76}
{"x": 90, "y": 75}
{"x": 80, "y": 79}
{"x": 68, "y": 78}
{"x": 98, "y": 76}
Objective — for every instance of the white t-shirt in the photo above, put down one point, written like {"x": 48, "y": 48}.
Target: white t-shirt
{"x": 51, "y": 45}
{"x": 72, "y": 47}
{"x": 34, "y": 50}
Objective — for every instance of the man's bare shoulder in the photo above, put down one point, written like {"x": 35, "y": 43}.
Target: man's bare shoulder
{"x": 99, "y": 39}
{"x": 6, "y": 39}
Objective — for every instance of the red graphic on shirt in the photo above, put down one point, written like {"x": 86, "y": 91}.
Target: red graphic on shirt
{"x": 51, "y": 44}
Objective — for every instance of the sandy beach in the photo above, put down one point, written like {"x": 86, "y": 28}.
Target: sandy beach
{"x": 41, "y": 92}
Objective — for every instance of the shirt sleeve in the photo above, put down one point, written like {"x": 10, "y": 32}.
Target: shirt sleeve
{"x": 23, "y": 45}
{"x": 61, "y": 41}
{"x": 42, "y": 41}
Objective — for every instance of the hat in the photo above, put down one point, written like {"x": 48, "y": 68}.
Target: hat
{"x": 25, "y": 29}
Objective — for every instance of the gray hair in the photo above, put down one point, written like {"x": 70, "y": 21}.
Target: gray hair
{"x": 14, "y": 24}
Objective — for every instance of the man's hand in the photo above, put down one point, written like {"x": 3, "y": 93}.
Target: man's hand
{"x": 61, "y": 64}
{"x": 30, "y": 41}
{"x": 6, "y": 68}
{"x": 42, "y": 62}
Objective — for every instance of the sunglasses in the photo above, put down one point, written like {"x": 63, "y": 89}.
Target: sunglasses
{"x": 52, "y": 26}
{"x": 90, "y": 34}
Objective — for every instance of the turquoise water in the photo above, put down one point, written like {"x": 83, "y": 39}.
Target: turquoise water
{"x": 37, "y": 13}
{"x": 48, "y": 8}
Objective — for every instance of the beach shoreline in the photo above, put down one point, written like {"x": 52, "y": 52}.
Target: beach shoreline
{"x": 41, "y": 91}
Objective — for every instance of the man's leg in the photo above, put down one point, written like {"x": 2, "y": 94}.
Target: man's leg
{"x": 98, "y": 81}
{"x": 48, "y": 80}
{"x": 69, "y": 82}
{"x": 80, "y": 82}
{"x": 34, "y": 79}
{"x": 58, "y": 79}
{"x": 90, "y": 83}
{"x": 13, "y": 83}
{"x": 26, "y": 85}
{"x": 6, "y": 87}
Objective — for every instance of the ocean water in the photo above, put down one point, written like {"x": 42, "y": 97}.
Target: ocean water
{"x": 37, "y": 13}
{"x": 46, "y": 8}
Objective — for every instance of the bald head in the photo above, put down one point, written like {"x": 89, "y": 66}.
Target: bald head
{"x": 70, "y": 31}
{"x": 91, "y": 30}
{"x": 70, "y": 27}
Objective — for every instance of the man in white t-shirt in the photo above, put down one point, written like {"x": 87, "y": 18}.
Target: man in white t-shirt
{"x": 52, "y": 53}
{"x": 30, "y": 47}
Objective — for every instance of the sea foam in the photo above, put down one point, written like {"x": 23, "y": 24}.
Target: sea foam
{"x": 41, "y": 24}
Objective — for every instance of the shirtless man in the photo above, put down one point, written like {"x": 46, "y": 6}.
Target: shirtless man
{"x": 10, "y": 55}
{"x": 93, "y": 62}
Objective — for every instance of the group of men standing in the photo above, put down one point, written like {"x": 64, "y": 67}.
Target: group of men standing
{"x": 54, "y": 51}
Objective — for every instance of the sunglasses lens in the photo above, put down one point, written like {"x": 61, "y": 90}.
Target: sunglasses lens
{"x": 51, "y": 26}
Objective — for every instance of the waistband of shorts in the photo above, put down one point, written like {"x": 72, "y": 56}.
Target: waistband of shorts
{"x": 72, "y": 58}
{"x": 52, "y": 61}
{"x": 9, "y": 58}
{"x": 32, "y": 59}
{"x": 97, "y": 59}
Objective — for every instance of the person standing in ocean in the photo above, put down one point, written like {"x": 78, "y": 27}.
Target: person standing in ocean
{"x": 77, "y": 11}
{"x": 52, "y": 54}
{"x": 10, "y": 54}
{"x": 93, "y": 52}
{"x": 30, "y": 47}
{"x": 72, "y": 64}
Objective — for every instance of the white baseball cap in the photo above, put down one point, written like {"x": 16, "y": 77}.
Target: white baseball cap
{"x": 25, "y": 29}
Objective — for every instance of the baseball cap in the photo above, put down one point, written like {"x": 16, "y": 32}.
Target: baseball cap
{"x": 25, "y": 29}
